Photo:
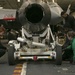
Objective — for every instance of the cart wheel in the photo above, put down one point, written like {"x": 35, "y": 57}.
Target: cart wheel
{"x": 58, "y": 55}
{"x": 11, "y": 59}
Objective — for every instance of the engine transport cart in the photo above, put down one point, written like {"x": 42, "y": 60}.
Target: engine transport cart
{"x": 35, "y": 46}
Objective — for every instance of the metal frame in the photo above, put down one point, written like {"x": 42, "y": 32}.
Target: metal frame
{"x": 34, "y": 47}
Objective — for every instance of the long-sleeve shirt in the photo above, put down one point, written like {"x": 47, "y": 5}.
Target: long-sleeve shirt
{"x": 70, "y": 22}
{"x": 72, "y": 46}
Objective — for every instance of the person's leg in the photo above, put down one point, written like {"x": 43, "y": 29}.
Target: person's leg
{"x": 2, "y": 52}
{"x": 74, "y": 55}
{"x": 2, "y": 49}
{"x": 68, "y": 53}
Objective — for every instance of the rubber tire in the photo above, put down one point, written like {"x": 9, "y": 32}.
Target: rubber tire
{"x": 58, "y": 55}
{"x": 11, "y": 59}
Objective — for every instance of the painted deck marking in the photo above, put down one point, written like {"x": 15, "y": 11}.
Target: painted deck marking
{"x": 24, "y": 69}
{"x": 20, "y": 69}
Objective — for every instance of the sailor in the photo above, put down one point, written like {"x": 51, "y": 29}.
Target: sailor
{"x": 70, "y": 49}
{"x": 69, "y": 21}
{"x": 69, "y": 25}
{"x": 2, "y": 48}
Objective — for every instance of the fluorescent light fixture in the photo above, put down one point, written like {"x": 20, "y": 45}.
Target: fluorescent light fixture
{"x": 18, "y": 0}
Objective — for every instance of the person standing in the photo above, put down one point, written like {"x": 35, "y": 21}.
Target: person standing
{"x": 69, "y": 21}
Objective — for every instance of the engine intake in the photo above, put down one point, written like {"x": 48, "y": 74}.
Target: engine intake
{"x": 34, "y": 13}
{"x": 34, "y": 16}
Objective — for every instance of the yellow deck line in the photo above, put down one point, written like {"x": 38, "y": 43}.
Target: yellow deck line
{"x": 20, "y": 69}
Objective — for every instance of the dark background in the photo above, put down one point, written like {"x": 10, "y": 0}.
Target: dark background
{"x": 13, "y": 4}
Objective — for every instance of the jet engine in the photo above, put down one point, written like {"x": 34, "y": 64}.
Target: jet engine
{"x": 34, "y": 16}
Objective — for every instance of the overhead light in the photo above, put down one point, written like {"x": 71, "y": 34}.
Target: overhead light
{"x": 18, "y": 0}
